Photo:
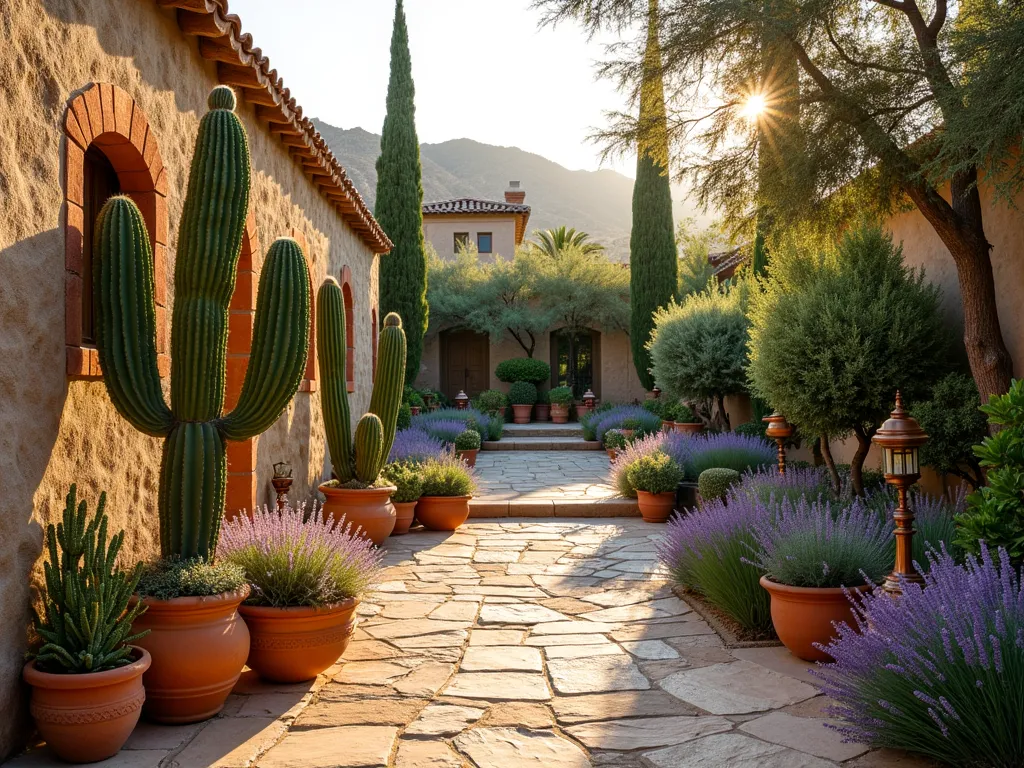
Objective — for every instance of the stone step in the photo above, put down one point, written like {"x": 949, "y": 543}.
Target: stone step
{"x": 616, "y": 507}
{"x": 517, "y": 443}
{"x": 543, "y": 429}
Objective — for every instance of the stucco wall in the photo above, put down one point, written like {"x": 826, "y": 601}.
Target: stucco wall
{"x": 440, "y": 232}
{"x": 54, "y": 432}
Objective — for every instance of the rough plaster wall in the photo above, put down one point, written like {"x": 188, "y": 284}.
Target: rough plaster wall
{"x": 54, "y": 432}
{"x": 430, "y": 364}
{"x": 440, "y": 231}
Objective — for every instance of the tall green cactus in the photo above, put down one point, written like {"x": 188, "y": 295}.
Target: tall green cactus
{"x": 193, "y": 471}
{"x": 365, "y": 458}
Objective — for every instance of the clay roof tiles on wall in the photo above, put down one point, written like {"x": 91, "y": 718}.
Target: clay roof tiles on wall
{"x": 243, "y": 66}
{"x": 472, "y": 205}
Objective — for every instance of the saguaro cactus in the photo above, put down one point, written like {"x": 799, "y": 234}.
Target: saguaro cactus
{"x": 193, "y": 472}
{"x": 365, "y": 458}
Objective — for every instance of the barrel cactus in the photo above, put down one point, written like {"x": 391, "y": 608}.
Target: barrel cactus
{"x": 363, "y": 459}
{"x": 193, "y": 472}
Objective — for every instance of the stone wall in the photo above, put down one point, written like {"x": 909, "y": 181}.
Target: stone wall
{"x": 55, "y": 431}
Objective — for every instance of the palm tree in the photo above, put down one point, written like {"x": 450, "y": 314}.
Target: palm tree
{"x": 553, "y": 242}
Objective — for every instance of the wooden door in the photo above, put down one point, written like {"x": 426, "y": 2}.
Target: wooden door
{"x": 466, "y": 363}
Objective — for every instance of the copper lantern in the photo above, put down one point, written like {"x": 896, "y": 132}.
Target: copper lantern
{"x": 462, "y": 400}
{"x": 589, "y": 398}
{"x": 780, "y": 431}
{"x": 900, "y": 439}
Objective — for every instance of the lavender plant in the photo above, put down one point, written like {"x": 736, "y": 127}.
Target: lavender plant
{"x": 939, "y": 671}
{"x": 727, "y": 449}
{"x": 765, "y": 484}
{"x": 934, "y": 520}
{"x": 447, "y": 475}
{"x": 634, "y": 417}
{"x": 414, "y": 445}
{"x": 294, "y": 559}
{"x": 645, "y": 446}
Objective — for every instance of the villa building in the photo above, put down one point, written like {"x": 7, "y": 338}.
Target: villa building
{"x": 105, "y": 97}
{"x": 490, "y": 226}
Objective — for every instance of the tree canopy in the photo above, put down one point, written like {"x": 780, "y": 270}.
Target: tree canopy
{"x": 551, "y": 242}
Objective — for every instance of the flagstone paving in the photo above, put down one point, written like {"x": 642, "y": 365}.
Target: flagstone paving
{"x": 566, "y": 656}
{"x": 542, "y": 475}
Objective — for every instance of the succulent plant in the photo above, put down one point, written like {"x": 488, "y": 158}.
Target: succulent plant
{"x": 363, "y": 458}
{"x": 193, "y": 473}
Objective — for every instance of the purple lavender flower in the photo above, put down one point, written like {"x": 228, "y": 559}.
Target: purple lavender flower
{"x": 645, "y": 446}
{"x": 614, "y": 417}
{"x": 414, "y": 445}
{"x": 445, "y": 430}
{"x": 726, "y": 449}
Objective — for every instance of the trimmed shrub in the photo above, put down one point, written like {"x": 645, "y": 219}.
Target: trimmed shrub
{"x": 522, "y": 393}
{"x": 468, "y": 441}
{"x": 714, "y": 483}
{"x": 404, "y": 420}
{"x": 405, "y": 476}
{"x": 953, "y": 419}
{"x": 412, "y": 397}
{"x": 645, "y": 446}
{"x": 490, "y": 400}
{"x": 447, "y": 475}
{"x": 654, "y": 473}
{"x": 522, "y": 369}
{"x": 560, "y": 396}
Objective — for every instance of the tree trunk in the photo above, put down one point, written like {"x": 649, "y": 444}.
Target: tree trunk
{"x": 826, "y": 453}
{"x": 857, "y": 462}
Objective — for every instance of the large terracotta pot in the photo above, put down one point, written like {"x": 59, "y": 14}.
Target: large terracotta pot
{"x": 543, "y": 412}
{"x": 469, "y": 456}
{"x": 522, "y": 413}
{"x": 612, "y": 452}
{"x": 405, "y": 511}
{"x": 290, "y": 645}
{"x": 666, "y": 426}
{"x": 88, "y": 717}
{"x": 368, "y": 508}
{"x": 804, "y": 615}
{"x": 442, "y": 513}
{"x": 199, "y": 646}
{"x": 628, "y": 433}
{"x": 687, "y": 428}
{"x": 560, "y": 413}
{"x": 655, "y": 507}
{"x": 581, "y": 411}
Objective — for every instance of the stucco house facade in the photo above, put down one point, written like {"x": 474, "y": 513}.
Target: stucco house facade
{"x": 105, "y": 97}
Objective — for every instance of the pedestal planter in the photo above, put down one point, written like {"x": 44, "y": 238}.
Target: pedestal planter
{"x": 655, "y": 507}
{"x": 522, "y": 413}
{"x": 442, "y": 513}
{"x": 289, "y": 645}
{"x": 803, "y": 616}
{"x": 559, "y": 413}
{"x": 199, "y": 646}
{"x": 469, "y": 456}
{"x": 543, "y": 411}
{"x": 686, "y": 496}
{"x": 368, "y": 508}
{"x": 405, "y": 511}
{"x": 88, "y": 717}
{"x": 687, "y": 428}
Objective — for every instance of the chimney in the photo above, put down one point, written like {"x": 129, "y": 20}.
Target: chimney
{"x": 514, "y": 194}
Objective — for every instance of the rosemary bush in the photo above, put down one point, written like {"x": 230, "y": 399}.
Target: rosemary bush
{"x": 447, "y": 475}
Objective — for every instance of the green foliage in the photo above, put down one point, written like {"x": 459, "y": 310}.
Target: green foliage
{"x": 615, "y": 439}
{"x": 681, "y": 413}
{"x": 654, "y": 472}
{"x": 753, "y": 429}
{"x": 714, "y": 483}
{"x": 583, "y": 290}
{"x": 696, "y": 274}
{"x": 955, "y": 424}
{"x": 560, "y": 395}
{"x": 171, "y": 578}
{"x": 468, "y": 441}
{"x": 193, "y": 473}
{"x": 404, "y": 420}
{"x": 412, "y": 397}
{"x": 632, "y": 424}
{"x": 87, "y": 622}
{"x": 446, "y": 475}
{"x": 490, "y": 401}
{"x": 399, "y": 202}
{"x": 522, "y": 393}
{"x": 551, "y": 243}
{"x": 995, "y": 512}
{"x": 495, "y": 428}
{"x": 405, "y": 476}
{"x": 522, "y": 369}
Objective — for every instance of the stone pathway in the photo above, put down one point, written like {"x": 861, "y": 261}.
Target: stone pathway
{"x": 535, "y": 475}
{"x": 522, "y": 644}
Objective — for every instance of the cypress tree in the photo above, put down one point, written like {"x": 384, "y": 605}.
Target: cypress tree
{"x": 652, "y": 246}
{"x": 399, "y": 206}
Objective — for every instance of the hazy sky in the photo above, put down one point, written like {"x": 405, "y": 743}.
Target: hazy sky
{"x": 483, "y": 70}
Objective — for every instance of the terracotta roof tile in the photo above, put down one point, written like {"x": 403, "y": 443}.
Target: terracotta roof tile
{"x": 472, "y": 205}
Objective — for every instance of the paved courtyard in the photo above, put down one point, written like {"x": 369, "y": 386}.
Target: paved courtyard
{"x": 521, "y": 644}
{"x": 535, "y": 475}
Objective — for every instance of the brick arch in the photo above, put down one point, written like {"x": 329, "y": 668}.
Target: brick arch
{"x": 350, "y": 328}
{"x": 106, "y": 117}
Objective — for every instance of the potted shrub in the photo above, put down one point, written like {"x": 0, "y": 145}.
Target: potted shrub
{"x": 614, "y": 441}
{"x": 655, "y": 477}
{"x": 812, "y": 556}
{"x": 405, "y": 476}
{"x": 522, "y": 369}
{"x": 448, "y": 485}
{"x": 491, "y": 402}
{"x": 630, "y": 426}
{"x": 306, "y": 573}
{"x": 197, "y": 641}
{"x": 715, "y": 483}
{"x": 467, "y": 446}
{"x": 686, "y": 421}
{"x": 358, "y": 493}
{"x": 86, "y": 676}
{"x": 522, "y": 395}
{"x": 543, "y": 408}
{"x": 561, "y": 400}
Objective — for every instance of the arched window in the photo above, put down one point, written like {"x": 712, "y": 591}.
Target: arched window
{"x": 350, "y": 329}
{"x": 109, "y": 149}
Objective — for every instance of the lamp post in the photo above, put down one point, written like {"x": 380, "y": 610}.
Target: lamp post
{"x": 780, "y": 431}
{"x": 462, "y": 400}
{"x": 282, "y": 482}
{"x": 900, "y": 437}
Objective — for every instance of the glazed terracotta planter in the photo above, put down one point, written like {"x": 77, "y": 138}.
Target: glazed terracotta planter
{"x": 368, "y": 508}
{"x": 543, "y": 412}
{"x": 803, "y": 616}
{"x": 655, "y": 507}
{"x": 469, "y": 456}
{"x": 199, "y": 646}
{"x": 88, "y": 717}
{"x": 522, "y": 413}
{"x": 405, "y": 511}
{"x": 559, "y": 413}
{"x": 687, "y": 428}
{"x": 289, "y": 645}
{"x": 442, "y": 513}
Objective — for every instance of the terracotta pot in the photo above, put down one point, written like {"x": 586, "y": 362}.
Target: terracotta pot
{"x": 522, "y": 413}
{"x": 581, "y": 411}
{"x": 469, "y": 456}
{"x": 655, "y": 507}
{"x": 688, "y": 428}
{"x": 414, "y": 410}
{"x": 560, "y": 413}
{"x": 405, "y": 511}
{"x": 442, "y": 513}
{"x": 290, "y": 645}
{"x": 368, "y": 508}
{"x": 88, "y": 717}
{"x": 543, "y": 411}
{"x": 198, "y": 645}
{"x": 804, "y": 615}
{"x": 666, "y": 426}
{"x": 612, "y": 453}
{"x": 628, "y": 433}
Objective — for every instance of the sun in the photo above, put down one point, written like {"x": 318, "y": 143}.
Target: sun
{"x": 754, "y": 106}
